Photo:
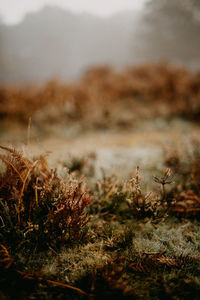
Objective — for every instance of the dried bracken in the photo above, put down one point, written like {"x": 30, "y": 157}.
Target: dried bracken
{"x": 38, "y": 201}
{"x": 5, "y": 259}
{"x": 145, "y": 262}
{"x": 105, "y": 97}
{"x": 185, "y": 195}
{"x": 187, "y": 204}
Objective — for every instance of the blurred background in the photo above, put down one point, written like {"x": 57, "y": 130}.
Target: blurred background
{"x": 118, "y": 78}
{"x": 43, "y": 39}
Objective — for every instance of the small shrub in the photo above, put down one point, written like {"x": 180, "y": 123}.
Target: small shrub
{"x": 185, "y": 194}
{"x": 145, "y": 205}
{"x": 138, "y": 202}
{"x": 37, "y": 203}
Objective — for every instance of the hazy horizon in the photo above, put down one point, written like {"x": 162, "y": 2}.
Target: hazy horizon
{"x": 54, "y": 42}
{"x": 63, "y": 42}
{"x": 13, "y": 12}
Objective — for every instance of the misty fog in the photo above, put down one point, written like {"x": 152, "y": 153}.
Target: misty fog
{"x": 57, "y": 43}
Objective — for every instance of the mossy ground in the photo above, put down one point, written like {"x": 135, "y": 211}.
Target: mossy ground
{"x": 134, "y": 260}
{"x": 120, "y": 254}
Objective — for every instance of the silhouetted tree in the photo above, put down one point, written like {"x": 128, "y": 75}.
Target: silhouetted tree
{"x": 171, "y": 30}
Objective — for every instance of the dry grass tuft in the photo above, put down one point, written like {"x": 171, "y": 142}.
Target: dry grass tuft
{"x": 38, "y": 201}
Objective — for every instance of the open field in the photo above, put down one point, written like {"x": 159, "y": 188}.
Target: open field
{"x": 100, "y": 186}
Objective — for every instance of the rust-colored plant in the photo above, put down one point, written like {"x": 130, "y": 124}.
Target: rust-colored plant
{"x": 187, "y": 203}
{"x": 38, "y": 202}
{"x": 68, "y": 217}
{"x": 105, "y": 97}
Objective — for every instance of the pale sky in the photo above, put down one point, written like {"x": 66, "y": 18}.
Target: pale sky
{"x": 12, "y": 11}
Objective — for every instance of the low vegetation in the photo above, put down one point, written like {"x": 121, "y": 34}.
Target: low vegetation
{"x": 67, "y": 236}
{"x": 105, "y": 98}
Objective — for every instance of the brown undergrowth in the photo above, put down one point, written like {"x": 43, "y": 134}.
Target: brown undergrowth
{"x": 186, "y": 193}
{"x": 37, "y": 203}
{"x": 127, "y": 242}
{"x": 106, "y": 98}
